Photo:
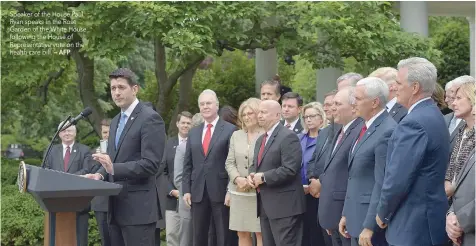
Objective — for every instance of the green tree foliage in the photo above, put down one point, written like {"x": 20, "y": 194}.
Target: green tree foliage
{"x": 451, "y": 37}
{"x": 369, "y": 32}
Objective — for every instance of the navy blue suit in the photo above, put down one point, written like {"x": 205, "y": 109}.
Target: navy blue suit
{"x": 366, "y": 173}
{"x": 413, "y": 201}
{"x": 334, "y": 179}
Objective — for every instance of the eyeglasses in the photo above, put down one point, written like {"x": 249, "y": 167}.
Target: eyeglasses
{"x": 312, "y": 116}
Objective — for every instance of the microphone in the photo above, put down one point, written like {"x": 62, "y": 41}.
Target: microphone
{"x": 86, "y": 112}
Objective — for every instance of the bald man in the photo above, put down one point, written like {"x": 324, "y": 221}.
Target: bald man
{"x": 276, "y": 175}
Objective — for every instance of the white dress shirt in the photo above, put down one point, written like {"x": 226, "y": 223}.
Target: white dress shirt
{"x": 293, "y": 124}
{"x": 414, "y": 105}
{"x": 70, "y": 148}
{"x": 205, "y": 128}
{"x": 391, "y": 103}
{"x": 270, "y": 132}
{"x": 344, "y": 129}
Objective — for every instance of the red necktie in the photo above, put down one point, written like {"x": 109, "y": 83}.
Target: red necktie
{"x": 207, "y": 138}
{"x": 66, "y": 158}
{"x": 339, "y": 138}
{"x": 362, "y": 132}
{"x": 288, "y": 126}
{"x": 261, "y": 148}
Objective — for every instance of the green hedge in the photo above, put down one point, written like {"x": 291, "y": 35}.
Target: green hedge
{"x": 22, "y": 218}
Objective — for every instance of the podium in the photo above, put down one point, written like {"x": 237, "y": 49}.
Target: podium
{"x": 61, "y": 195}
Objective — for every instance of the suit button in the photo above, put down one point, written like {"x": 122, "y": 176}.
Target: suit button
{"x": 246, "y": 157}
{"x": 349, "y": 178}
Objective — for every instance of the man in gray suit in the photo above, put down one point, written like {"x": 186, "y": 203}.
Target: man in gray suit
{"x": 335, "y": 171}
{"x": 135, "y": 149}
{"x": 185, "y": 229}
{"x": 275, "y": 173}
{"x": 389, "y": 76}
{"x": 168, "y": 192}
{"x": 460, "y": 217}
{"x": 205, "y": 179}
{"x": 367, "y": 164}
{"x": 99, "y": 204}
{"x": 75, "y": 158}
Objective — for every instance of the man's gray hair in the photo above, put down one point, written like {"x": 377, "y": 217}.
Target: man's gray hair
{"x": 209, "y": 92}
{"x": 375, "y": 88}
{"x": 197, "y": 119}
{"x": 67, "y": 122}
{"x": 422, "y": 71}
{"x": 461, "y": 80}
{"x": 449, "y": 85}
{"x": 353, "y": 77}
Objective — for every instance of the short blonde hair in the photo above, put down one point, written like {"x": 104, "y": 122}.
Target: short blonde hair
{"x": 468, "y": 91}
{"x": 253, "y": 104}
{"x": 387, "y": 74}
{"x": 320, "y": 110}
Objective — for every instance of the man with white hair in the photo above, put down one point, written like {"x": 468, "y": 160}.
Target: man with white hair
{"x": 413, "y": 202}
{"x": 75, "y": 158}
{"x": 367, "y": 164}
{"x": 205, "y": 179}
{"x": 389, "y": 76}
{"x": 454, "y": 124}
{"x": 348, "y": 79}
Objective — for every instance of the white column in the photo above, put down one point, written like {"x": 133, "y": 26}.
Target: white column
{"x": 414, "y": 17}
{"x": 326, "y": 81}
{"x": 266, "y": 66}
{"x": 472, "y": 53}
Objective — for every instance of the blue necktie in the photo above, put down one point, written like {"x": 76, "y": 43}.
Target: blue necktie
{"x": 452, "y": 125}
{"x": 122, "y": 122}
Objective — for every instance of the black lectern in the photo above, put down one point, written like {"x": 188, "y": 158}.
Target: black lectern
{"x": 61, "y": 195}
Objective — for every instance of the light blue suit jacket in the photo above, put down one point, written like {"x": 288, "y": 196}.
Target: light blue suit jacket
{"x": 366, "y": 173}
{"x": 413, "y": 201}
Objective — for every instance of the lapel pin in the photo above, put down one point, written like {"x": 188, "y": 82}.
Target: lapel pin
{"x": 74, "y": 151}
{"x": 296, "y": 130}
{"x": 132, "y": 118}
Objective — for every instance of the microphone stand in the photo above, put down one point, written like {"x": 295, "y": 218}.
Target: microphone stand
{"x": 43, "y": 163}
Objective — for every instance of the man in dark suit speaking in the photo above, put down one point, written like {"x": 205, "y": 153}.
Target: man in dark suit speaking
{"x": 135, "y": 147}
{"x": 276, "y": 173}
{"x": 204, "y": 175}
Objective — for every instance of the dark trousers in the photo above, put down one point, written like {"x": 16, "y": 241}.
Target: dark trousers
{"x": 101, "y": 219}
{"x": 286, "y": 231}
{"x": 157, "y": 236}
{"x": 311, "y": 235}
{"x": 338, "y": 239}
{"x": 82, "y": 224}
{"x": 137, "y": 235}
{"x": 205, "y": 211}
{"x": 327, "y": 237}
{"x": 212, "y": 238}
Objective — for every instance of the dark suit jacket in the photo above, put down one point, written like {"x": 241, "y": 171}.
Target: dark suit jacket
{"x": 413, "y": 194}
{"x": 166, "y": 177}
{"x": 366, "y": 173}
{"x": 463, "y": 200}
{"x": 398, "y": 112}
{"x": 136, "y": 161}
{"x": 282, "y": 194}
{"x": 99, "y": 203}
{"x": 334, "y": 178}
{"x": 453, "y": 135}
{"x": 80, "y": 160}
{"x": 323, "y": 141}
{"x": 199, "y": 168}
{"x": 297, "y": 128}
